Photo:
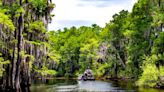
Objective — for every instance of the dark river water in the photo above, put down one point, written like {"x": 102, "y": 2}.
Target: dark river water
{"x": 87, "y": 86}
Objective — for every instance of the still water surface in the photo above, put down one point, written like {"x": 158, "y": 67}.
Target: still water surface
{"x": 87, "y": 86}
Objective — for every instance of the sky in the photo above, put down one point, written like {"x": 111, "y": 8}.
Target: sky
{"x": 78, "y": 13}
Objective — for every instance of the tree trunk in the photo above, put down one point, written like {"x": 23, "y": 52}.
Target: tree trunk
{"x": 13, "y": 70}
{"x": 115, "y": 70}
{"x": 17, "y": 74}
{"x": 20, "y": 49}
{"x": 8, "y": 78}
{"x": 159, "y": 3}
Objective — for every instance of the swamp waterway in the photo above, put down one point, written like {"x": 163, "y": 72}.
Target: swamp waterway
{"x": 63, "y": 85}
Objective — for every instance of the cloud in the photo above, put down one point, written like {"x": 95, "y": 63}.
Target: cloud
{"x": 101, "y": 3}
{"x": 86, "y": 12}
{"x": 77, "y": 22}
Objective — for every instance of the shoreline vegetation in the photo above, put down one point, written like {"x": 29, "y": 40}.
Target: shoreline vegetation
{"x": 131, "y": 45}
{"x": 97, "y": 78}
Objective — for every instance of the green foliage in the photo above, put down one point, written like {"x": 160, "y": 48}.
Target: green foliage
{"x": 158, "y": 44}
{"x": 39, "y": 3}
{"x": 76, "y": 49}
{"x": 161, "y": 71}
{"x": 55, "y": 56}
{"x": 24, "y": 42}
{"x": 2, "y": 62}
{"x": 151, "y": 73}
{"x": 6, "y": 21}
{"x": 133, "y": 43}
{"x": 18, "y": 10}
{"x": 44, "y": 72}
{"x": 37, "y": 26}
{"x": 40, "y": 6}
{"x": 149, "y": 76}
{"x": 102, "y": 69}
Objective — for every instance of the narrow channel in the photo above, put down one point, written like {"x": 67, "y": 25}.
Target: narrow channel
{"x": 63, "y": 85}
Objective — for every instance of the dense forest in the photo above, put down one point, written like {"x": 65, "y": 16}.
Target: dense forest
{"x": 130, "y": 46}
{"x": 24, "y": 52}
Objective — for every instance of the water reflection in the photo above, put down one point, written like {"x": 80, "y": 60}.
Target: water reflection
{"x": 96, "y": 86}
{"x": 86, "y": 86}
